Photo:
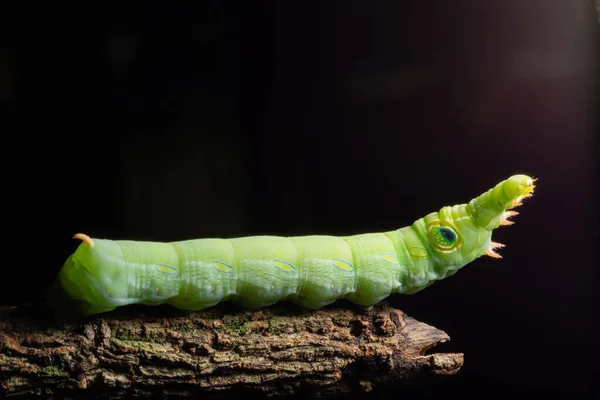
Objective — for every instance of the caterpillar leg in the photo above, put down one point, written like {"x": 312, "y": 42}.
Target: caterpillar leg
{"x": 185, "y": 304}
{"x": 89, "y": 308}
{"x": 311, "y": 304}
{"x": 252, "y": 305}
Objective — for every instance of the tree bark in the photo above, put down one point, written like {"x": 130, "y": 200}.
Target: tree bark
{"x": 156, "y": 351}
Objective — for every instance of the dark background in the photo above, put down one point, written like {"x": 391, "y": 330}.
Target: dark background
{"x": 221, "y": 119}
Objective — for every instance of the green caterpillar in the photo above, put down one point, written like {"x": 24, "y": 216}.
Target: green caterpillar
{"x": 311, "y": 271}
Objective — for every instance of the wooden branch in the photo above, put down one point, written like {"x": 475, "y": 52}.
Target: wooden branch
{"x": 280, "y": 350}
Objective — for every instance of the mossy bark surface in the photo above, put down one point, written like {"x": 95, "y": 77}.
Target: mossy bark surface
{"x": 277, "y": 351}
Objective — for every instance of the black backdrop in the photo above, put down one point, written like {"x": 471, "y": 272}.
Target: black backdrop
{"x": 208, "y": 118}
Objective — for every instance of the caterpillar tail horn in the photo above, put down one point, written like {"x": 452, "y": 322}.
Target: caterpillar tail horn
{"x": 84, "y": 238}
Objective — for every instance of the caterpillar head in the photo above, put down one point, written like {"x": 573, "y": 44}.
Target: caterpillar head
{"x": 459, "y": 234}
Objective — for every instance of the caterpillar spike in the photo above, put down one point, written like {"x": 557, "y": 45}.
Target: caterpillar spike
{"x": 493, "y": 246}
{"x": 504, "y": 220}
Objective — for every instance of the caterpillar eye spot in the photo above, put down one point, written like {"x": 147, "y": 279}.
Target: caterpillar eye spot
{"x": 448, "y": 234}
{"x": 442, "y": 236}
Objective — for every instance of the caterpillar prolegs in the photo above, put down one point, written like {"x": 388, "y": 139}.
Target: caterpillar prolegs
{"x": 312, "y": 271}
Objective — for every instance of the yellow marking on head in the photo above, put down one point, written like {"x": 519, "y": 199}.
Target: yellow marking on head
{"x": 283, "y": 265}
{"x": 84, "y": 238}
{"x": 418, "y": 251}
{"x": 389, "y": 257}
{"x": 222, "y": 266}
{"x": 341, "y": 264}
{"x": 167, "y": 269}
